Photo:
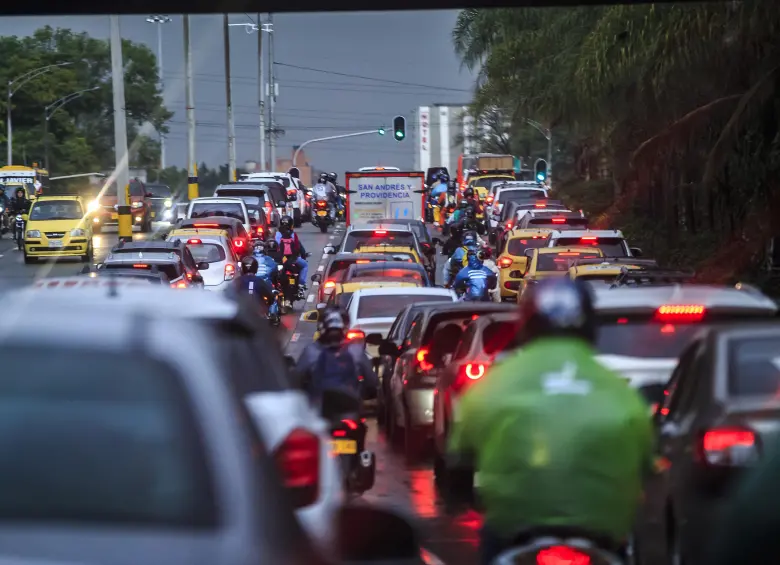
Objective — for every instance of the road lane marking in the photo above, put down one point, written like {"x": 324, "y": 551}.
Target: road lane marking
{"x": 310, "y": 298}
{"x": 315, "y": 283}
{"x": 294, "y": 337}
{"x": 332, "y": 237}
{"x": 321, "y": 268}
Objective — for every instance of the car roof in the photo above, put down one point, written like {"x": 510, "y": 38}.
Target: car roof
{"x": 432, "y": 291}
{"x": 221, "y": 220}
{"x": 381, "y": 226}
{"x": 216, "y": 199}
{"x": 388, "y": 265}
{"x": 395, "y": 221}
{"x": 522, "y": 233}
{"x": 90, "y": 281}
{"x": 58, "y": 197}
{"x": 564, "y": 249}
{"x": 147, "y": 245}
{"x": 348, "y": 255}
{"x": 712, "y": 297}
{"x": 198, "y": 231}
{"x": 740, "y": 330}
{"x": 436, "y": 307}
{"x": 584, "y": 233}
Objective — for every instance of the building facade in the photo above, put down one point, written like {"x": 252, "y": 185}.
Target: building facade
{"x": 441, "y": 134}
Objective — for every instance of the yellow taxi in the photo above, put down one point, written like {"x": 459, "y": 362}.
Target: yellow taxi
{"x": 402, "y": 251}
{"x": 513, "y": 261}
{"x": 482, "y": 183}
{"x": 551, "y": 262}
{"x": 604, "y": 270}
{"x": 57, "y": 226}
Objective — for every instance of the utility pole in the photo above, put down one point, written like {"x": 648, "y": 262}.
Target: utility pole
{"x": 124, "y": 219}
{"x": 261, "y": 91}
{"x": 272, "y": 91}
{"x": 192, "y": 165}
{"x": 160, "y": 19}
{"x": 229, "y": 98}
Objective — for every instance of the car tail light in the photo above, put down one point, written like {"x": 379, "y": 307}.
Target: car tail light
{"x": 351, "y": 424}
{"x": 308, "y": 196}
{"x": 260, "y": 230}
{"x": 474, "y": 371}
{"x": 180, "y": 284}
{"x": 230, "y": 272}
{"x": 509, "y": 225}
{"x": 355, "y": 334}
{"x": 238, "y": 243}
{"x": 559, "y": 221}
{"x": 194, "y": 242}
{"x": 589, "y": 238}
{"x": 298, "y": 459}
{"x": 540, "y": 205}
{"x": 729, "y": 446}
{"x": 680, "y": 312}
{"x": 206, "y": 225}
{"x": 329, "y": 284}
{"x": 268, "y": 206}
{"x": 505, "y": 262}
{"x": 362, "y": 261}
{"x": 422, "y": 359}
{"x": 140, "y": 266}
{"x": 569, "y": 254}
{"x": 489, "y": 200}
{"x": 380, "y": 232}
{"x": 561, "y": 555}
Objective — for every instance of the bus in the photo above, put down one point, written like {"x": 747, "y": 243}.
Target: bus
{"x": 35, "y": 180}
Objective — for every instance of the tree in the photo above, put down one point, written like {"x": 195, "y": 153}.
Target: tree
{"x": 81, "y": 133}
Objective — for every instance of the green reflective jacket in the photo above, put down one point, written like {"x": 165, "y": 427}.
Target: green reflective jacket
{"x": 557, "y": 439}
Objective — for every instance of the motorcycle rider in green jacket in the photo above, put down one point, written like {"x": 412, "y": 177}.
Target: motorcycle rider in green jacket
{"x": 555, "y": 439}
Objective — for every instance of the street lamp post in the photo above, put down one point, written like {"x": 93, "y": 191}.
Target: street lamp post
{"x": 13, "y": 86}
{"x": 379, "y": 131}
{"x": 49, "y": 111}
{"x": 547, "y": 133}
{"x": 160, "y": 19}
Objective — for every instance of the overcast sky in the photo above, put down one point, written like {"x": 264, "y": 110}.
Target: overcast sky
{"x": 406, "y": 47}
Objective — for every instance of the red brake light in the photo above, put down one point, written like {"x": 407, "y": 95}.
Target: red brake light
{"x": 180, "y": 284}
{"x": 206, "y": 225}
{"x": 589, "y": 238}
{"x": 362, "y": 261}
{"x": 298, "y": 459}
{"x": 559, "y": 221}
{"x": 505, "y": 262}
{"x": 194, "y": 241}
{"x": 355, "y": 334}
{"x": 475, "y": 371}
{"x": 728, "y": 446}
{"x": 260, "y": 230}
{"x": 489, "y": 200}
{"x": 239, "y": 243}
{"x": 509, "y": 225}
{"x": 422, "y": 355}
{"x": 680, "y": 312}
{"x": 380, "y": 232}
{"x": 561, "y": 555}
{"x": 569, "y": 254}
{"x": 329, "y": 284}
{"x": 268, "y": 206}
{"x": 351, "y": 424}
{"x": 540, "y": 205}
{"x": 140, "y": 266}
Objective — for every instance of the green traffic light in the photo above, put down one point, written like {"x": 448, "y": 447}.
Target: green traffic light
{"x": 381, "y": 131}
{"x": 399, "y": 134}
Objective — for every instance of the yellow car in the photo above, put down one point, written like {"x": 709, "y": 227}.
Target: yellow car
{"x": 482, "y": 183}
{"x": 58, "y": 226}
{"x": 403, "y": 251}
{"x": 604, "y": 270}
{"x": 512, "y": 262}
{"x": 551, "y": 262}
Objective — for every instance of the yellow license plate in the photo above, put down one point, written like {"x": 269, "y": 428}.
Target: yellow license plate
{"x": 113, "y": 216}
{"x": 343, "y": 446}
{"x": 292, "y": 281}
{"x": 154, "y": 214}
{"x": 321, "y": 213}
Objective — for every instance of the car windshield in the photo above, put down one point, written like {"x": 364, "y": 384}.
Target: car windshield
{"x": 207, "y": 209}
{"x": 119, "y": 430}
{"x": 520, "y": 194}
{"x": 159, "y": 190}
{"x": 391, "y": 275}
{"x": 379, "y": 237}
{"x": 171, "y": 270}
{"x": 517, "y": 246}
{"x": 207, "y": 252}
{"x": 560, "y": 262}
{"x": 388, "y": 305}
{"x": 487, "y": 182}
{"x": 56, "y": 210}
{"x": 754, "y": 367}
{"x": 610, "y": 246}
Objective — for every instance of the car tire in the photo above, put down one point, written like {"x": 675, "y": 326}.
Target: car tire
{"x": 297, "y": 217}
{"x": 29, "y": 260}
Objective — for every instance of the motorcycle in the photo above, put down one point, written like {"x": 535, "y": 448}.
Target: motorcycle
{"x": 554, "y": 545}
{"x": 273, "y": 315}
{"x": 348, "y": 441}
{"x": 3, "y": 222}
{"x": 19, "y": 231}
{"x": 291, "y": 289}
{"x": 321, "y": 217}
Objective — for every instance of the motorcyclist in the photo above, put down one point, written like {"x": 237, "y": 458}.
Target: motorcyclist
{"x": 438, "y": 194}
{"x": 459, "y": 258}
{"x": 338, "y": 192}
{"x": 20, "y": 204}
{"x": 475, "y": 280}
{"x": 251, "y": 282}
{"x": 333, "y": 363}
{"x": 486, "y": 255}
{"x": 325, "y": 190}
{"x": 558, "y": 440}
{"x": 267, "y": 267}
{"x": 290, "y": 246}
{"x": 4, "y": 206}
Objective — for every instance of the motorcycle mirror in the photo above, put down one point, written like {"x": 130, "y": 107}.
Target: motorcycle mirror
{"x": 311, "y": 316}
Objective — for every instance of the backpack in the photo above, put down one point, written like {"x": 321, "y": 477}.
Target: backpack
{"x": 336, "y": 369}
{"x": 289, "y": 246}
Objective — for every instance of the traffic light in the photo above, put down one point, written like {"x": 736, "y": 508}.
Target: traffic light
{"x": 381, "y": 131}
{"x": 540, "y": 170}
{"x": 399, "y": 127}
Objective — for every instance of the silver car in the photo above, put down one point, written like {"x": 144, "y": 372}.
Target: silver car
{"x": 217, "y": 252}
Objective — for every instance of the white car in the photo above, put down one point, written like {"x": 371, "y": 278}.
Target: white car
{"x": 262, "y": 193}
{"x": 296, "y": 198}
{"x": 503, "y": 192}
{"x": 215, "y": 250}
{"x": 220, "y": 206}
{"x": 611, "y": 242}
{"x": 282, "y": 414}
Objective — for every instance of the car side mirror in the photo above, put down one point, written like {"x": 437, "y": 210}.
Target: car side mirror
{"x": 374, "y": 339}
{"x": 311, "y": 316}
{"x": 329, "y": 249}
{"x": 316, "y": 277}
{"x": 389, "y": 348}
{"x": 202, "y": 266}
{"x": 635, "y": 251}
{"x": 528, "y": 253}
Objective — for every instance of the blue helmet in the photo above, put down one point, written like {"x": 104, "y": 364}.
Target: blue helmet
{"x": 469, "y": 239}
{"x": 444, "y": 177}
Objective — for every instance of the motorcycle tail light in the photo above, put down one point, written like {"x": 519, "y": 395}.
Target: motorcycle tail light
{"x": 561, "y": 555}
{"x": 355, "y": 334}
{"x": 298, "y": 458}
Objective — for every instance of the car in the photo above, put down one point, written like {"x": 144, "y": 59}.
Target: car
{"x": 263, "y": 193}
{"x": 463, "y": 360}
{"x": 220, "y": 206}
{"x": 163, "y": 201}
{"x": 382, "y": 234}
{"x": 58, "y": 227}
{"x": 337, "y": 268}
{"x": 719, "y": 418}
{"x": 408, "y": 390}
{"x": 513, "y": 213}
{"x": 295, "y": 199}
{"x": 481, "y": 183}
{"x": 242, "y": 350}
{"x": 171, "y": 258}
{"x": 427, "y": 243}
{"x": 502, "y": 193}
{"x": 156, "y": 456}
{"x": 560, "y": 220}
{"x": 260, "y": 221}
{"x": 235, "y": 228}
{"x": 213, "y": 250}
{"x": 513, "y": 262}
{"x": 611, "y": 242}
{"x": 388, "y": 271}
{"x": 153, "y": 276}
{"x": 551, "y": 262}
{"x": 641, "y": 331}
{"x": 104, "y": 209}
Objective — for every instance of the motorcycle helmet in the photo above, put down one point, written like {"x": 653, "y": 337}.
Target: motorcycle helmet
{"x": 331, "y": 324}
{"x": 556, "y": 308}
{"x": 443, "y": 177}
{"x": 271, "y": 247}
{"x": 259, "y": 248}
{"x": 473, "y": 258}
{"x": 469, "y": 214}
{"x": 332, "y": 177}
{"x": 20, "y": 193}
{"x": 469, "y": 193}
{"x": 323, "y": 178}
{"x": 286, "y": 222}
{"x": 464, "y": 204}
{"x": 469, "y": 239}
{"x": 249, "y": 265}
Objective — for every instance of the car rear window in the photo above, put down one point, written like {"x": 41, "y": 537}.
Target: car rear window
{"x": 462, "y": 317}
{"x": 100, "y": 437}
{"x": 610, "y": 246}
{"x": 171, "y": 270}
{"x": 487, "y": 182}
{"x": 498, "y": 336}
{"x": 228, "y": 209}
{"x": 520, "y": 194}
{"x": 754, "y": 367}
{"x": 230, "y": 228}
{"x": 389, "y": 305}
{"x": 560, "y": 261}
{"x": 395, "y": 275}
{"x": 568, "y": 224}
{"x": 207, "y": 252}
{"x": 339, "y": 268}
{"x": 371, "y": 238}
{"x": 518, "y": 246}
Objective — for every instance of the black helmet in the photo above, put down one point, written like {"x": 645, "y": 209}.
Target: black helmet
{"x": 271, "y": 247}
{"x": 443, "y": 177}
{"x": 469, "y": 193}
{"x": 464, "y": 204}
{"x": 331, "y": 324}
{"x": 286, "y": 223}
{"x": 20, "y": 189}
{"x": 249, "y": 265}
{"x": 323, "y": 178}
{"x": 556, "y": 307}
{"x": 332, "y": 177}
{"x": 259, "y": 247}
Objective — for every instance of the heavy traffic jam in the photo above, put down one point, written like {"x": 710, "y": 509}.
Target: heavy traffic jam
{"x": 217, "y": 390}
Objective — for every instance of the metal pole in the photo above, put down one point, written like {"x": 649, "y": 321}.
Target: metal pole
{"x": 162, "y": 88}
{"x": 261, "y": 92}
{"x": 272, "y": 92}
{"x": 192, "y": 166}
{"x": 10, "y": 132}
{"x": 124, "y": 221}
{"x": 229, "y": 99}
{"x": 549, "y": 158}
{"x": 46, "y": 138}
{"x": 329, "y": 138}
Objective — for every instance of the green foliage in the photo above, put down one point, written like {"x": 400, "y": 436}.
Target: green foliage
{"x": 81, "y": 133}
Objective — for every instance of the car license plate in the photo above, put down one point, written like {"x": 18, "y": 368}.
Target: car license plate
{"x": 343, "y": 447}
{"x": 55, "y": 244}
{"x": 154, "y": 214}
{"x": 321, "y": 213}
{"x": 113, "y": 216}
{"x": 292, "y": 280}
